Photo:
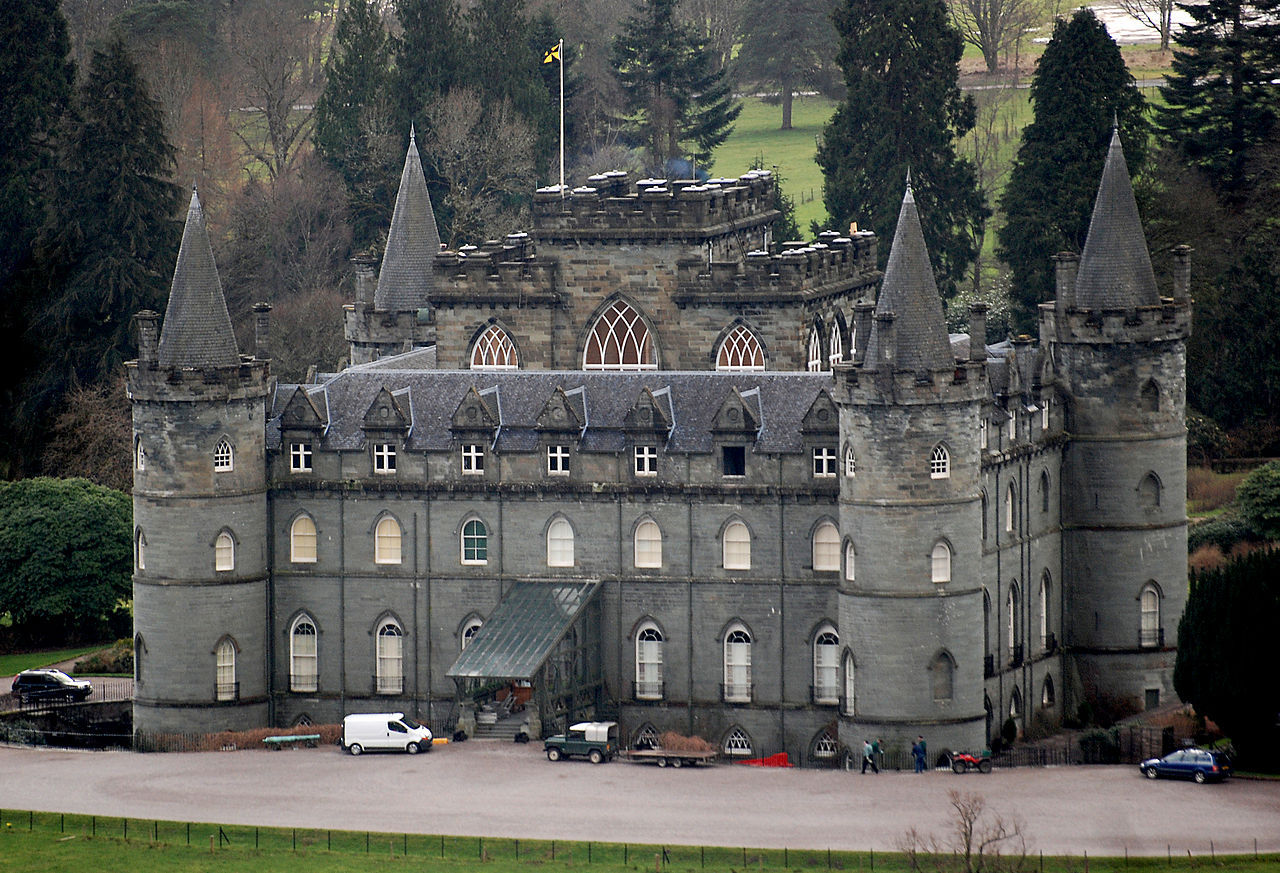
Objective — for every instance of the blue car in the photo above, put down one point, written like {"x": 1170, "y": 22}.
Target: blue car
{"x": 1199, "y": 765}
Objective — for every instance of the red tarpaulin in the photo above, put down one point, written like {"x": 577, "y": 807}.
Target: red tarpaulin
{"x": 778, "y": 760}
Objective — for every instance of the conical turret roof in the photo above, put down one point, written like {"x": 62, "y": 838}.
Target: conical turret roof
{"x": 405, "y": 279}
{"x": 197, "y": 330}
{"x": 1115, "y": 268}
{"x": 911, "y": 294}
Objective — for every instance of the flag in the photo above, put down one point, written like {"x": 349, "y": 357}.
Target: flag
{"x": 553, "y": 54}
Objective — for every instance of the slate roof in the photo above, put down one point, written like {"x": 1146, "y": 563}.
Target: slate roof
{"x": 911, "y": 294}
{"x": 1115, "y": 268}
{"x": 197, "y": 330}
{"x": 405, "y": 280}
{"x": 517, "y": 398}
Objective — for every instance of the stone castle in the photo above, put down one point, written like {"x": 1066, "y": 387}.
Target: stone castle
{"x": 645, "y": 463}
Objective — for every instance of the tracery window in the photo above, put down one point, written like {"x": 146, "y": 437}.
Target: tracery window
{"x": 225, "y": 657}
{"x": 836, "y": 347}
{"x": 223, "y": 457}
{"x": 494, "y": 351}
{"x": 649, "y": 644}
{"x": 826, "y": 746}
{"x": 619, "y": 340}
{"x": 940, "y": 463}
{"x": 740, "y": 350}
{"x": 304, "y": 671}
{"x": 390, "y": 665}
{"x": 737, "y": 666}
{"x": 826, "y": 667}
{"x": 815, "y": 351}
{"x": 738, "y": 744}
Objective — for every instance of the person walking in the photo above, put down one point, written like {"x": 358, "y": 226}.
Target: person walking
{"x": 918, "y": 752}
{"x": 868, "y": 757}
{"x": 877, "y": 755}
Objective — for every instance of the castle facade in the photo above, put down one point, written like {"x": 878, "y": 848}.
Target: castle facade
{"x": 646, "y": 463}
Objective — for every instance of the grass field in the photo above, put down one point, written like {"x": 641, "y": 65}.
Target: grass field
{"x": 11, "y": 664}
{"x": 56, "y": 843}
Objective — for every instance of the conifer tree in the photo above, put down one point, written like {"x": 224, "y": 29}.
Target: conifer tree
{"x": 1080, "y": 88}
{"x": 429, "y": 54}
{"x": 903, "y": 112}
{"x": 789, "y": 44}
{"x": 677, "y": 104}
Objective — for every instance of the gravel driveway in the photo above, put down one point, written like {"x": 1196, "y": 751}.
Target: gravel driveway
{"x": 492, "y": 789}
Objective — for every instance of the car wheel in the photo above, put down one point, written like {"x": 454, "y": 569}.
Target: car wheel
{"x": 957, "y": 766}
{"x": 355, "y": 748}
{"x": 553, "y": 754}
{"x": 413, "y": 748}
{"x": 984, "y": 766}
{"x": 1150, "y": 772}
{"x": 1199, "y": 777}
{"x": 596, "y": 756}
{"x": 677, "y": 763}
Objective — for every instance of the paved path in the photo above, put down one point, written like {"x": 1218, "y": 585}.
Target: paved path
{"x": 492, "y": 789}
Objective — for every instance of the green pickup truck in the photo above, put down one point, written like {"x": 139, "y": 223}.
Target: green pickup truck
{"x": 596, "y": 740}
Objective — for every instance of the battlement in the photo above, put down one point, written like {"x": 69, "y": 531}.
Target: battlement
{"x": 611, "y": 207}
{"x": 147, "y": 381}
{"x": 831, "y": 264}
{"x": 506, "y": 271}
{"x": 1171, "y": 320}
{"x": 881, "y": 387}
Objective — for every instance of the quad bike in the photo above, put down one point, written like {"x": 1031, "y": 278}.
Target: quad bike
{"x": 963, "y": 762}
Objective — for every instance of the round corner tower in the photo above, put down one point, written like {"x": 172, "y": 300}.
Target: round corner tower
{"x": 200, "y": 583}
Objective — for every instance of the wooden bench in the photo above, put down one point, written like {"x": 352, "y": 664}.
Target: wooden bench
{"x": 292, "y": 741}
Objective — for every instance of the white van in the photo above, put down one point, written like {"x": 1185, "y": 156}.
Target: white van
{"x": 370, "y": 731}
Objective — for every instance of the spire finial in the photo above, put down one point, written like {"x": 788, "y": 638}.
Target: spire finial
{"x": 413, "y": 133}
{"x": 1115, "y": 120}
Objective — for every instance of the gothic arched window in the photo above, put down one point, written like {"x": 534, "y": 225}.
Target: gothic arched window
{"x": 494, "y": 351}
{"x": 815, "y": 351}
{"x": 390, "y": 658}
{"x": 649, "y": 643}
{"x": 740, "y": 350}
{"x": 304, "y": 668}
{"x": 619, "y": 340}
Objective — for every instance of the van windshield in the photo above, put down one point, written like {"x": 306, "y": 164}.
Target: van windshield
{"x": 411, "y": 724}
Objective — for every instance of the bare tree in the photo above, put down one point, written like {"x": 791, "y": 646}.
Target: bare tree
{"x": 484, "y": 156}
{"x": 91, "y": 436}
{"x": 717, "y": 21}
{"x": 994, "y": 27}
{"x": 1155, "y": 14}
{"x": 978, "y": 842}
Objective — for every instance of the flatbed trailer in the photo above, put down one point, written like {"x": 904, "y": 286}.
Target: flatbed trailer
{"x": 669, "y": 757}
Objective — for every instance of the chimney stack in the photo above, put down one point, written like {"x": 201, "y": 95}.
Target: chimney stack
{"x": 262, "y": 331}
{"x": 148, "y": 336}
{"x": 978, "y": 331}
{"x": 1182, "y": 274}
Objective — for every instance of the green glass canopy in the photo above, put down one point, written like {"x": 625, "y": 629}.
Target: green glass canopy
{"x": 516, "y": 640}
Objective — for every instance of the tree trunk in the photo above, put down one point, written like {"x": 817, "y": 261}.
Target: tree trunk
{"x": 786, "y": 104}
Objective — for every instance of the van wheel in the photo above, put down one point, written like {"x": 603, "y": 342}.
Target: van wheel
{"x": 413, "y": 748}
{"x": 355, "y": 748}
{"x": 553, "y": 754}
{"x": 595, "y": 756}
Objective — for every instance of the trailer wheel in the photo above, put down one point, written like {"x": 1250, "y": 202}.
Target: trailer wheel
{"x": 677, "y": 763}
{"x": 662, "y": 762}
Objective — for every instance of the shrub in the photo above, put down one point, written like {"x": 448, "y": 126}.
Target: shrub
{"x": 117, "y": 659}
{"x": 1208, "y": 489}
{"x": 1224, "y": 533}
{"x": 1101, "y": 747}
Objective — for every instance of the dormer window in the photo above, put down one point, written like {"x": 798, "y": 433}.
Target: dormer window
{"x": 646, "y": 458}
{"x": 557, "y": 460}
{"x": 473, "y": 459}
{"x": 300, "y": 457}
{"x": 824, "y": 463}
{"x": 940, "y": 463}
{"x": 384, "y": 458}
{"x": 223, "y": 457}
{"x": 734, "y": 460}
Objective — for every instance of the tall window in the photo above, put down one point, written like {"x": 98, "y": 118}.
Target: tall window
{"x": 390, "y": 678}
{"x": 850, "y": 684}
{"x": 983, "y": 437}
{"x": 1015, "y": 704}
{"x": 225, "y": 656}
{"x": 300, "y": 457}
{"x": 140, "y": 456}
{"x": 1014, "y": 626}
{"x": 1044, "y": 610}
{"x": 649, "y": 643}
{"x": 824, "y": 462}
{"x": 473, "y": 459}
{"x": 648, "y": 544}
{"x": 386, "y": 542}
{"x": 140, "y": 549}
{"x": 646, "y": 458}
{"x": 1150, "y": 397}
{"x": 985, "y": 506}
{"x": 619, "y": 340}
{"x": 940, "y": 463}
{"x": 740, "y": 350}
{"x": 826, "y": 548}
{"x": 815, "y": 351}
{"x": 224, "y": 553}
{"x": 836, "y": 346}
{"x": 1150, "y": 615}
{"x": 1044, "y": 490}
{"x": 223, "y": 457}
{"x": 557, "y": 460}
{"x": 1010, "y": 509}
{"x": 737, "y": 666}
{"x": 826, "y": 667}
{"x": 494, "y": 351}
{"x": 475, "y": 542}
{"x": 850, "y": 560}
{"x": 942, "y": 676}
{"x": 941, "y": 563}
{"x": 850, "y": 463}
{"x": 559, "y": 544}
{"x": 1149, "y": 491}
{"x": 304, "y": 667}
{"x": 1046, "y": 693}
{"x": 384, "y": 458}
{"x": 302, "y": 540}
{"x": 737, "y": 546}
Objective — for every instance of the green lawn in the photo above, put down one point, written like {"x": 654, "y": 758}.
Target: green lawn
{"x": 10, "y": 664}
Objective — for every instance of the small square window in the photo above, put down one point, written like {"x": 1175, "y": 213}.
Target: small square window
{"x": 824, "y": 463}
{"x": 734, "y": 460}
{"x": 300, "y": 457}
{"x": 646, "y": 460}
{"x": 384, "y": 458}
{"x": 473, "y": 459}
{"x": 557, "y": 460}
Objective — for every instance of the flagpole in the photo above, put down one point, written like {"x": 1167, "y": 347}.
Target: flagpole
{"x": 560, "y": 52}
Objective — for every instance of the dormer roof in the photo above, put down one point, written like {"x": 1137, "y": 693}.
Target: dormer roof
{"x": 405, "y": 279}
{"x": 197, "y": 330}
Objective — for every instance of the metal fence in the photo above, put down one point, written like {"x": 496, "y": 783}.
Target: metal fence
{"x": 108, "y": 689}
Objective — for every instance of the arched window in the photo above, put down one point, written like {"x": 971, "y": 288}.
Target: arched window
{"x": 1013, "y": 626}
{"x": 850, "y": 463}
{"x": 1151, "y": 632}
{"x": 648, "y": 544}
{"x": 140, "y": 550}
{"x": 139, "y": 456}
{"x": 469, "y": 630}
{"x": 1149, "y": 491}
{"x": 139, "y": 653}
{"x": 1010, "y": 509}
{"x": 649, "y": 643}
{"x": 740, "y": 350}
{"x": 835, "y": 347}
{"x": 304, "y": 651}
{"x": 940, "y": 463}
{"x": 737, "y": 665}
{"x": 224, "y": 553}
{"x": 1150, "y": 396}
{"x": 737, "y": 744}
{"x": 985, "y": 507}
{"x": 1015, "y": 704}
{"x": 619, "y": 340}
{"x": 850, "y": 560}
{"x": 942, "y": 677}
{"x": 826, "y": 548}
{"x": 225, "y": 657}
{"x": 1046, "y": 693}
{"x": 646, "y": 737}
{"x": 559, "y": 544}
{"x": 825, "y": 746}
{"x": 1044, "y": 490}
{"x": 223, "y": 457}
{"x": 494, "y": 351}
{"x": 386, "y": 542}
{"x": 826, "y": 667}
{"x": 475, "y": 542}
{"x": 390, "y": 665}
{"x": 815, "y": 351}
{"x": 736, "y": 546}
{"x": 302, "y": 540}
{"x": 1045, "y": 586}
{"x": 850, "y": 684}
{"x": 941, "y": 563}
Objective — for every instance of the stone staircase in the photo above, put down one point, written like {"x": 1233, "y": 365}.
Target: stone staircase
{"x": 495, "y": 722}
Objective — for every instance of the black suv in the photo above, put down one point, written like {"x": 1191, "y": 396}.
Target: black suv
{"x": 49, "y": 685}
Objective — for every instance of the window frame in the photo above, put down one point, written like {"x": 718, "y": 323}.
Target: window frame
{"x": 740, "y": 351}
{"x": 1149, "y": 615}
{"x": 733, "y": 462}
{"x": 634, "y": 340}
{"x": 742, "y": 555}
{"x": 826, "y": 675}
{"x": 647, "y": 550}
{"x": 650, "y": 645}
{"x": 941, "y": 563}
{"x": 389, "y": 658}
{"x": 224, "y": 456}
{"x": 737, "y": 664}
{"x": 824, "y": 462}
{"x": 384, "y": 458}
{"x": 301, "y": 680}
{"x": 300, "y": 457}
{"x": 473, "y": 538}
{"x": 825, "y": 548}
{"x": 473, "y": 458}
{"x": 226, "y": 687}
{"x": 558, "y": 460}
{"x": 645, "y": 460}
{"x": 494, "y": 350}
{"x": 560, "y": 543}
{"x": 383, "y": 540}
{"x": 224, "y": 552}
{"x": 297, "y": 538}
{"x": 940, "y": 462}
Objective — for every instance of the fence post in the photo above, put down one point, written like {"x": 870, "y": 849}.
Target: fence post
{"x": 126, "y": 830}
